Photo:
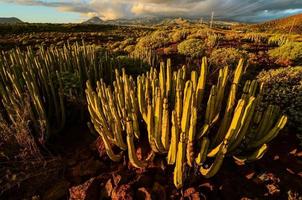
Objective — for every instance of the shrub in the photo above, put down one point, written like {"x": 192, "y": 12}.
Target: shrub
{"x": 133, "y": 65}
{"x": 212, "y": 40}
{"x": 255, "y": 38}
{"x": 284, "y": 87}
{"x": 179, "y": 35}
{"x": 129, "y": 48}
{"x": 226, "y": 56}
{"x": 199, "y": 34}
{"x": 191, "y": 47}
{"x": 289, "y": 53}
{"x": 156, "y": 39}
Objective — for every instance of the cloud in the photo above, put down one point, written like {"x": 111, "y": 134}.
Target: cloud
{"x": 243, "y": 10}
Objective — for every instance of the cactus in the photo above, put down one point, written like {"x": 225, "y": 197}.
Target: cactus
{"x": 169, "y": 103}
{"x": 49, "y": 78}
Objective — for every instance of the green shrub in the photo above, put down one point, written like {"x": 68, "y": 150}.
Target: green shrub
{"x": 129, "y": 48}
{"x": 289, "y": 53}
{"x": 156, "y": 39}
{"x": 278, "y": 40}
{"x": 283, "y": 87}
{"x": 226, "y": 56}
{"x": 255, "y": 37}
{"x": 134, "y": 66}
{"x": 179, "y": 35}
{"x": 199, "y": 34}
{"x": 212, "y": 40}
{"x": 192, "y": 47}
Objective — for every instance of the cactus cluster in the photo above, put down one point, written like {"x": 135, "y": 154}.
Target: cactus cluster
{"x": 185, "y": 123}
{"x": 278, "y": 40}
{"x": 47, "y": 77}
{"x": 256, "y": 37}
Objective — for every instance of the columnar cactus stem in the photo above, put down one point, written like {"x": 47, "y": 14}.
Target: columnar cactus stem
{"x": 174, "y": 140}
{"x": 178, "y": 175}
{"x": 201, "y": 82}
{"x": 131, "y": 149}
{"x": 202, "y": 155}
{"x": 191, "y": 137}
{"x": 165, "y": 125}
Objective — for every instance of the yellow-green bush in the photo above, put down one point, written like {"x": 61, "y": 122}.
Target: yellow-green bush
{"x": 226, "y": 56}
{"x": 192, "y": 47}
{"x": 289, "y": 53}
{"x": 212, "y": 40}
{"x": 284, "y": 87}
{"x": 179, "y": 35}
{"x": 156, "y": 39}
{"x": 129, "y": 48}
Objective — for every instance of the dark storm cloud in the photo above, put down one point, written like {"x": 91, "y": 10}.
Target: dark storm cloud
{"x": 244, "y": 10}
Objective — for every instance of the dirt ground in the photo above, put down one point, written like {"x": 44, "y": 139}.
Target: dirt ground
{"x": 83, "y": 171}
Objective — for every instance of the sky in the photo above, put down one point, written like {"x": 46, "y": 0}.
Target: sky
{"x": 73, "y": 11}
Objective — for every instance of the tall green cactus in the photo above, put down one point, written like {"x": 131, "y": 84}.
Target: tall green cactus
{"x": 46, "y": 79}
{"x": 170, "y": 106}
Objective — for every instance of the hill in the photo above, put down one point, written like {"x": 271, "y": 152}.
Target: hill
{"x": 291, "y": 24}
{"x": 10, "y": 20}
{"x": 94, "y": 20}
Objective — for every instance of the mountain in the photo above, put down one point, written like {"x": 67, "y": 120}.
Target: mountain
{"x": 174, "y": 21}
{"x": 148, "y": 20}
{"x": 153, "y": 20}
{"x": 291, "y": 24}
{"x": 10, "y": 20}
{"x": 94, "y": 20}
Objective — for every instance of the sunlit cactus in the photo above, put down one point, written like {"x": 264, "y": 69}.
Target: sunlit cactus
{"x": 182, "y": 122}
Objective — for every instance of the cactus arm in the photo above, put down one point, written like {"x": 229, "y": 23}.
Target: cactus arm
{"x": 233, "y": 128}
{"x": 202, "y": 155}
{"x": 186, "y": 107}
{"x": 191, "y": 138}
{"x": 150, "y": 128}
{"x": 201, "y": 82}
{"x": 169, "y": 79}
{"x": 158, "y": 121}
{"x": 210, "y": 111}
{"x": 256, "y": 155}
{"x": 131, "y": 149}
{"x": 245, "y": 122}
{"x": 178, "y": 175}
{"x": 178, "y": 105}
{"x": 162, "y": 79}
{"x": 271, "y": 134}
{"x": 165, "y": 125}
{"x": 114, "y": 157}
{"x": 141, "y": 99}
{"x": 174, "y": 140}
{"x": 216, "y": 165}
{"x": 194, "y": 79}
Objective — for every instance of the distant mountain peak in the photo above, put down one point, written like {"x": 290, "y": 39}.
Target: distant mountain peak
{"x": 94, "y": 20}
{"x": 10, "y": 20}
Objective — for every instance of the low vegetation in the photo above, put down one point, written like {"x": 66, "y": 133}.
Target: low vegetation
{"x": 284, "y": 87}
{"x": 226, "y": 57}
{"x": 159, "y": 111}
{"x": 192, "y": 48}
{"x": 288, "y": 54}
